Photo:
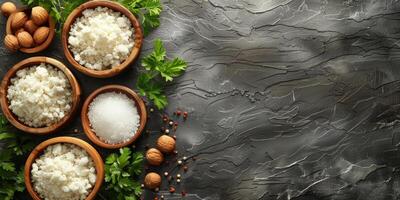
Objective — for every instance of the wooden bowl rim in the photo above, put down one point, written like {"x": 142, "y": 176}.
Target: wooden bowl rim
{"x": 113, "y": 88}
{"x": 44, "y": 45}
{"x": 13, "y": 119}
{"x": 138, "y": 38}
{"x": 38, "y": 150}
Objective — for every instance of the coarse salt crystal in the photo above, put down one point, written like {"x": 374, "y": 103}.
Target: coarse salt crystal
{"x": 113, "y": 117}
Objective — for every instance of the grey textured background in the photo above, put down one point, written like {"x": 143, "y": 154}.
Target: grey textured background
{"x": 288, "y": 99}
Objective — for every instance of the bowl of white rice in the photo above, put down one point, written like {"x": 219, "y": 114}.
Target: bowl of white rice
{"x": 39, "y": 95}
{"x": 101, "y": 38}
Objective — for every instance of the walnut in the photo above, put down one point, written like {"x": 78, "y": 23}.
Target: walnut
{"x": 154, "y": 157}
{"x": 166, "y": 144}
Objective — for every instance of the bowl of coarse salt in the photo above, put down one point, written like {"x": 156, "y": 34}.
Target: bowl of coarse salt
{"x": 113, "y": 116}
{"x": 101, "y": 38}
{"x": 64, "y": 168}
{"x": 39, "y": 95}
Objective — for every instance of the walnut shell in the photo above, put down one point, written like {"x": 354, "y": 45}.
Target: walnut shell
{"x": 11, "y": 43}
{"x": 166, "y": 144}
{"x": 41, "y": 35}
{"x": 154, "y": 157}
{"x": 7, "y": 8}
{"x": 39, "y": 15}
{"x": 18, "y": 20}
{"x": 152, "y": 180}
{"x": 19, "y": 31}
{"x": 30, "y": 26}
{"x": 25, "y": 39}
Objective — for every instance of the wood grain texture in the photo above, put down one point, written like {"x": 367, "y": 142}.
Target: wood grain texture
{"x": 119, "y": 89}
{"x": 138, "y": 35}
{"x": 76, "y": 95}
{"x": 98, "y": 162}
{"x": 51, "y": 24}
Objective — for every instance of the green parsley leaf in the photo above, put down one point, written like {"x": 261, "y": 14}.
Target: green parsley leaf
{"x": 148, "y": 12}
{"x": 159, "y": 51}
{"x": 158, "y": 67}
{"x": 14, "y": 146}
{"x": 170, "y": 70}
{"x": 149, "y": 22}
{"x": 4, "y": 136}
{"x": 111, "y": 158}
{"x": 152, "y": 89}
{"x": 123, "y": 159}
{"x": 121, "y": 172}
{"x": 7, "y": 166}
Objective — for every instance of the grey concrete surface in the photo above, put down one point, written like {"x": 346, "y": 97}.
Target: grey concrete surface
{"x": 287, "y": 99}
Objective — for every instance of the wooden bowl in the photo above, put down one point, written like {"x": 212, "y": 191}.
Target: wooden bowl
{"x": 76, "y": 94}
{"x": 98, "y": 162}
{"x": 119, "y": 89}
{"x": 116, "y": 7}
{"x": 51, "y": 24}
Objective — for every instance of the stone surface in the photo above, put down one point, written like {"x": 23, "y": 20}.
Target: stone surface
{"x": 287, "y": 99}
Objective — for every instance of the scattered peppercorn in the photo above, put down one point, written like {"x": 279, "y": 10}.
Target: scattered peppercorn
{"x": 165, "y": 173}
{"x": 178, "y": 176}
{"x": 178, "y": 112}
{"x": 183, "y": 193}
{"x": 178, "y": 180}
{"x": 185, "y": 114}
{"x": 185, "y": 168}
{"x": 184, "y": 158}
{"x": 167, "y": 131}
{"x": 179, "y": 162}
{"x": 171, "y": 189}
{"x": 151, "y": 109}
{"x": 171, "y": 123}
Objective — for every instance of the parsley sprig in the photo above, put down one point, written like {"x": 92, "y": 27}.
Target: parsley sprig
{"x": 121, "y": 174}
{"x": 148, "y": 11}
{"x": 158, "y": 71}
{"x": 14, "y": 147}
